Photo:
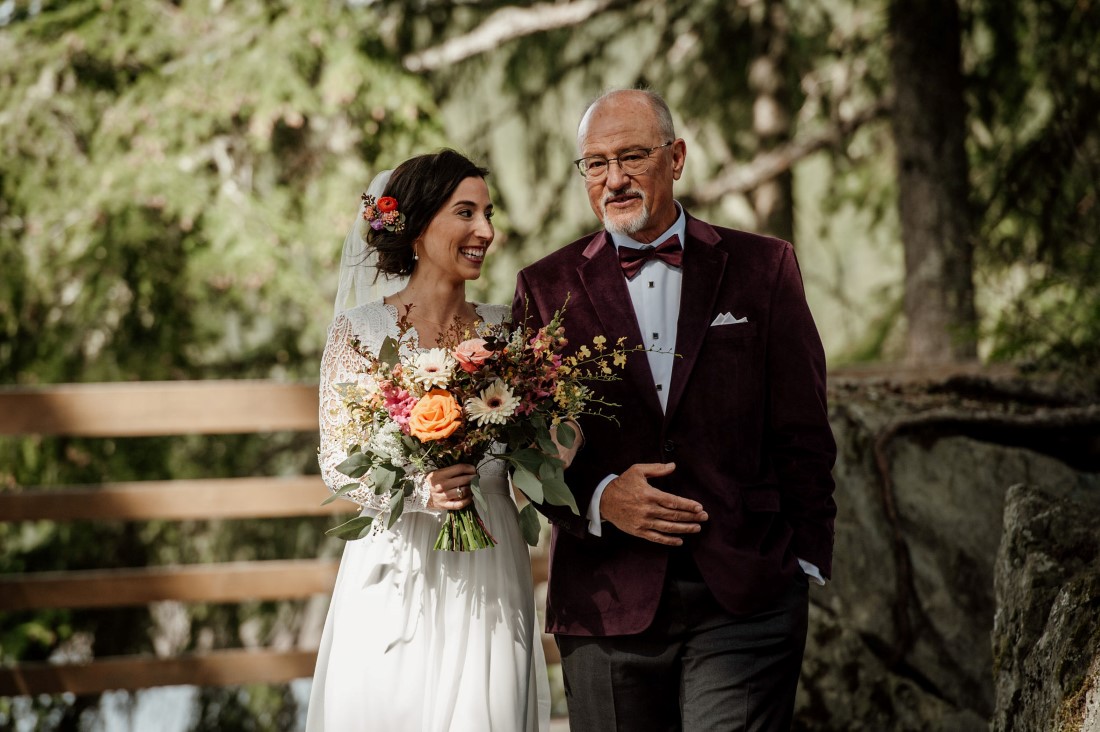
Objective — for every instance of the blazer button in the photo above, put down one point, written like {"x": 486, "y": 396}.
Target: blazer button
{"x": 669, "y": 445}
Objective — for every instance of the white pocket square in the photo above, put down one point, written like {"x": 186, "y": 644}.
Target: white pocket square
{"x": 728, "y": 319}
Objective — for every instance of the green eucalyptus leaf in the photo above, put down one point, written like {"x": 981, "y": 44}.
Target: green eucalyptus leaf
{"x": 341, "y": 491}
{"x": 479, "y": 498}
{"x": 558, "y": 494}
{"x": 383, "y": 478}
{"x": 351, "y": 530}
{"x": 388, "y": 352}
{"x": 355, "y": 466}
{"x": 545, "y": 443}
{"x": 566, "y": 435}
{"x": 529, "y": 483}
{"x": 397, "y": 505}
{"x": 546, "y": 470}
{"x": 528, "y": 458}
{"x": 530, "y": 525}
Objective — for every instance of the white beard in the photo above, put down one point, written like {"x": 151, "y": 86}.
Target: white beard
{"x": 630, "y": 226}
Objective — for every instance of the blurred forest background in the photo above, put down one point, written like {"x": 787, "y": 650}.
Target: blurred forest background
{"x": 176, "y": 180}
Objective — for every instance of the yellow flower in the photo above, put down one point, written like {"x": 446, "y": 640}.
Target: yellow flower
{"x": 620, "y": 359}
{"x": 583, "y": 352}
{"x": 599, "y": 341}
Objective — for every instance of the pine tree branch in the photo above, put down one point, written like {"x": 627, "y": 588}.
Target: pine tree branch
{"x": 738, "y": 178}
{"x": 506, "y": 24}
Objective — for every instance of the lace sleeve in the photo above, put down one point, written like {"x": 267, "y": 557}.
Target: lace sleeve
{"x": 339, "y": 364}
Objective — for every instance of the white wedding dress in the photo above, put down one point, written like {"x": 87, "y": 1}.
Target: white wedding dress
{"x": 418, "y": 639}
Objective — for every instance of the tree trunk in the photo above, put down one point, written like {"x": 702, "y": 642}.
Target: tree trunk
{"x": 771, "y": 118}
{"x": 933, "y": 186}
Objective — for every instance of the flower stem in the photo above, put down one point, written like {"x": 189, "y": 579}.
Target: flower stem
{"x": 464, "y": 531}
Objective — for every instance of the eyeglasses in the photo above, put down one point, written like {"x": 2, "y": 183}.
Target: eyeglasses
{"x": 631, "y": 162}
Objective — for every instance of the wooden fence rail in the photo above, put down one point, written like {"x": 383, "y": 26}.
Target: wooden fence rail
{"x": 164, "y": 409}
{"x": 156, "y": 408}
{"x": 213, "y": 668}
{"x": 223, "y": 582}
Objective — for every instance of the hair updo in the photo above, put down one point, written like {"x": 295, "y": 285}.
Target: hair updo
{"x": 421, "y": 185}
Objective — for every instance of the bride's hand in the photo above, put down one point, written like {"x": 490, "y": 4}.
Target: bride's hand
{"x": 449, "y": 488}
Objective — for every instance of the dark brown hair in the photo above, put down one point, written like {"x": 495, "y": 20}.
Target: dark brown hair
{"x": 421, "y": 185}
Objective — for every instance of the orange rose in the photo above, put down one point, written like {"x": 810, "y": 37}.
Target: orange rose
{"x": 435, "y": 417}
{"x": 387, "y": 204}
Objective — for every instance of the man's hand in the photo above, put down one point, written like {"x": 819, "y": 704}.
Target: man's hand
{"x": 639, "y": 509}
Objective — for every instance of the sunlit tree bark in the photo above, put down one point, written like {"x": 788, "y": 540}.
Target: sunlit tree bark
{"x": 771, "y": 118}
{"x": 933, "y": 180}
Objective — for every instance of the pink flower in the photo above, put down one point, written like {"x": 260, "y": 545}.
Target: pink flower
{"x": 399, "y": 404}
{"x": 472, "y": 354}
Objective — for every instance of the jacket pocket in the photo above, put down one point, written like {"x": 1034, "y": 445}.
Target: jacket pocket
{"x": 731, "y": 331}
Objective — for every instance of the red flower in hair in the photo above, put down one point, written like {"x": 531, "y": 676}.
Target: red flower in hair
{"x": 387, "y": 204}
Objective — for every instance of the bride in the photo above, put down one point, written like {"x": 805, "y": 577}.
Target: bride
{"x": 420, "y": 639}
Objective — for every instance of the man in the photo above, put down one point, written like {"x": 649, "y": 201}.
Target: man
{"x": 680, "y": 600}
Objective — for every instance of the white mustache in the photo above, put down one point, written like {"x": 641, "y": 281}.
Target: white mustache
{"x": 625, "y": 192}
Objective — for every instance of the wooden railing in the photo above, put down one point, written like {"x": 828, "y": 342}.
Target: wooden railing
{"x": 162, "y": 409}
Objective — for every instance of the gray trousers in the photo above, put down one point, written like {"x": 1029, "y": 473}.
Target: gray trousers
{"x": 696, "y": 668}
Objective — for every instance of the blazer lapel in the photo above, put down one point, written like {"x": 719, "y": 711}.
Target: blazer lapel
{"x": 606, "y": 289}
{"x": 704, "y": 266}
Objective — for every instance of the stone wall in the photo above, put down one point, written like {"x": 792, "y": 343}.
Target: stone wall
{"x": 901, "y": 639}
{"x": 1046, "y": 633}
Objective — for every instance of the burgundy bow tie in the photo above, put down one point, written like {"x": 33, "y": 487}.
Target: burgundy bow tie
{"x": 632, "y": 260}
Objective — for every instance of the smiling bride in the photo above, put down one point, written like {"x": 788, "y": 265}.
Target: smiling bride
{"x": 419, "y": 639}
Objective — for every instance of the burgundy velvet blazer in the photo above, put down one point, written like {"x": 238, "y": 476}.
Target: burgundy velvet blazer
{"x": 746, "y": 425}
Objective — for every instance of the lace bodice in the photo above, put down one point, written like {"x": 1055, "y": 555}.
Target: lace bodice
{"x": 371, "y": 323}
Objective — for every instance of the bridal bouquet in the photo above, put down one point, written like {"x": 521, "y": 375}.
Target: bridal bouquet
{"x": 493, "y": 391}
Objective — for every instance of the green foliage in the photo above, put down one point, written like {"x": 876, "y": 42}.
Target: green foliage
{"x": 176, "y": 179}
{"x": 177, "y": 182}
{"x": 1035, "y": 96}
{"x": 530, "y": 525}
{"x": 253, "y": 708}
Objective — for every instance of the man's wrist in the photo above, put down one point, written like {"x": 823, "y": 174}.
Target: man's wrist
{"x": 595, "y": 521}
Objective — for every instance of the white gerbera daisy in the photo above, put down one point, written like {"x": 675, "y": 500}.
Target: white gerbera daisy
{"x": 433, "y": 368}
{"x": 495, "y": 406}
